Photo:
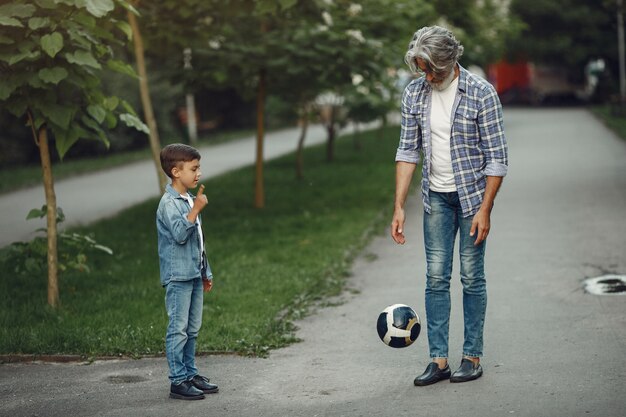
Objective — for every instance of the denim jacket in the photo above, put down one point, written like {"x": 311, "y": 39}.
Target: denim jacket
{"x": 180, "y": 255}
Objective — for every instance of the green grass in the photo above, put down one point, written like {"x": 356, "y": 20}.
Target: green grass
{"x": 269, "y": 265}
{"x": 15, "y": 178}
{"x": 613, "y": 121}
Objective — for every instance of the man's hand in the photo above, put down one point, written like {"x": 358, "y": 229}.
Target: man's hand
{"x": 481, "y": 223}
{"x": 397, "y": 226}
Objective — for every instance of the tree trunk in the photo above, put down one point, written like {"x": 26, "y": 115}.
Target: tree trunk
{"x": 51, "y": 204}
{"x": 304, "y": 123}
{"x": 192, "y": 123}
{"x": 330, "y": 143}
{"x": 155, "y": 144}
{"x": 259, "y": 192}
{"x": 356, "y": 137}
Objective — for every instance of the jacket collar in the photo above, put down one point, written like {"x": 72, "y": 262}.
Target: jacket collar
{"x": 169, "y": 189}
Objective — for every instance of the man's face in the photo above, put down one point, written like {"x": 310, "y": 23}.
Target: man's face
{"x": 437, "y": 80}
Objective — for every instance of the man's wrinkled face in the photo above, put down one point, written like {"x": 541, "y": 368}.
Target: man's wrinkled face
{"x": 439, "y": 80}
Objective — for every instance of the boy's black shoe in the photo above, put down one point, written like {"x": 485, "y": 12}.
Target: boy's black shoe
{"x": 185, "y": 391}
{"x": 202, "y": 383}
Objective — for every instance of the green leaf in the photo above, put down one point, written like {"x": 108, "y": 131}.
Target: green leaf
{"x": 99, "y": 8}
{"x": 121, "y": 67}
{"x": 53, "y": 75}
{"x": 60, "y": 215}
{"x": 46, "y": 4}
{"x": 8, "y": 86}
{"x": 287, "y": 4}
{"x": 90, "y": 123}
{"x": 37, "y": 213}
{"x": 111, "y": 103}
{"x": 128, "y": 107}
{"x": 38, "y": 22}
{"x": 83, "y": 58}
{"x": 125, "y": 27}
{"x": 66, "y": 138}
{"x": 58, "y": 114}
{"x": 86, "y": 20}
{"x": 5, "y": 40}
{"x": 129, "y": 7}
{"x": 52, "y": 43}
{"x": 264, "y": 7}
{"x": 97, "y": 112}
{"x": 103, "y": 248}
{"x": 9, "y": 21}
{"x": 17, "y": 10}
{"x": 133, "y": 121}
{"x": 23, "y": 55}
{"x": 17, "y": 107}
{"x": 111, "y": 120}
{"x": 35, "y": 81}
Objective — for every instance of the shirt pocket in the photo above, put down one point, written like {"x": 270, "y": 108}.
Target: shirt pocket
{"x": 466, "y": 126}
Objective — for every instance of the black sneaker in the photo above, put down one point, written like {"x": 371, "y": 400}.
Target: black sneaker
{"x": 185, "y": 391}
{"x": 202, "y": 383}
{"x": 432, "y": 374}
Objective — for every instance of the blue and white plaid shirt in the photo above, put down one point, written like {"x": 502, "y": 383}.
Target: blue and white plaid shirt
{"x": 477, "y": 143}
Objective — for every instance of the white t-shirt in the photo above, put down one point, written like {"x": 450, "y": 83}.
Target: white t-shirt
{"x": 441, "y": 174}
{"x": 190, "y": 201}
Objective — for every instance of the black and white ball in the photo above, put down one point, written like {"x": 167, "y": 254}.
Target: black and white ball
{"x": 398, "y": 326}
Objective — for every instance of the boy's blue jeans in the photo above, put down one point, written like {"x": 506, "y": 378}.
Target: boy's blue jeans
{"x": 440, "y": 229}
{"x": 183, "y": 302}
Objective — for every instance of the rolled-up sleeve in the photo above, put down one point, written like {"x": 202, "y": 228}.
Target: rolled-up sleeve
{"x": 410, "y": 135}
{"x": 492, "y": 140}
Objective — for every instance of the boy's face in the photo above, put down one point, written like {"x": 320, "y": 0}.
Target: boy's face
{"x": 187, "y": 173}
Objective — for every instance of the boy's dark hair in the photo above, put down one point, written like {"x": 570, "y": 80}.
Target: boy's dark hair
{"x": 176, "y": 153}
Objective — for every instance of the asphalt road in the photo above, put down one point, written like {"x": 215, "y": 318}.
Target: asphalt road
{"x": 550, "y": 348}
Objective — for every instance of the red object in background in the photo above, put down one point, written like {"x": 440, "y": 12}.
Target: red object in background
{"x": 506, "y": 76}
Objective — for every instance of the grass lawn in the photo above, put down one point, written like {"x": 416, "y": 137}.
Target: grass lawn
{"x": 269, "y": 265}
{"x": 614, "y": 122}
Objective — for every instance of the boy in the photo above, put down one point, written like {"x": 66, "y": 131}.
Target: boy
{"x": 185, "y": 271}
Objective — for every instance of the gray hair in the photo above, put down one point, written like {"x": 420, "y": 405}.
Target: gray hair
{"x": 437, "y": 46}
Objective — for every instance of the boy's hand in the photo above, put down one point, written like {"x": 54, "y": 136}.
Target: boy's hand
{"x": 207, "y": 284}
{"x": 201, "y": 199}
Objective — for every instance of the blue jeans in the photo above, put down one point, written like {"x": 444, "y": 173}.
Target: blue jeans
{"x": 440, "y": 230}
{"x": 183, "y": 302}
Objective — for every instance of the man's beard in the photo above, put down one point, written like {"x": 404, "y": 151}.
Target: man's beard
{"x": 442, "y": 85}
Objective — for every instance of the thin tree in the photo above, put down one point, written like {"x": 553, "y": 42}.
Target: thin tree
{"x": 49, "y": 64}
{"x": 146, "y": 101}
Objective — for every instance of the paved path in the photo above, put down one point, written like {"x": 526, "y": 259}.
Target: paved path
{"x": 551, "y": 350}
{"x": 93, "y": 196}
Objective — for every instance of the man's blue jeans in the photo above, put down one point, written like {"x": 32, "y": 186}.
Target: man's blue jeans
{"x": 440, "y": 230}
{"x": 183, "y": 301}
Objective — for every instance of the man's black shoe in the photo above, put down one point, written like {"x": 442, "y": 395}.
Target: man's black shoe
{"x": 467, "y": 371}
{"x": 202, "y": 383}
{"x": 432, "y": 374}
{"x": 185, "y": 391}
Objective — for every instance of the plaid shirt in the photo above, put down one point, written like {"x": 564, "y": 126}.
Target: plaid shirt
{"x": 477, "y": 144}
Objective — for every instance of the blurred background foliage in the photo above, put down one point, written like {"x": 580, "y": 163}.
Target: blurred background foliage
{"x": 353, "y": 48}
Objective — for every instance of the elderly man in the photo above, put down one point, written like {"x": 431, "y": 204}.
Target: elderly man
{"x": 454, "y": 119}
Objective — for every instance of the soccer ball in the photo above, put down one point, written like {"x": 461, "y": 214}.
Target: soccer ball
{"x": 398, "y": 326}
